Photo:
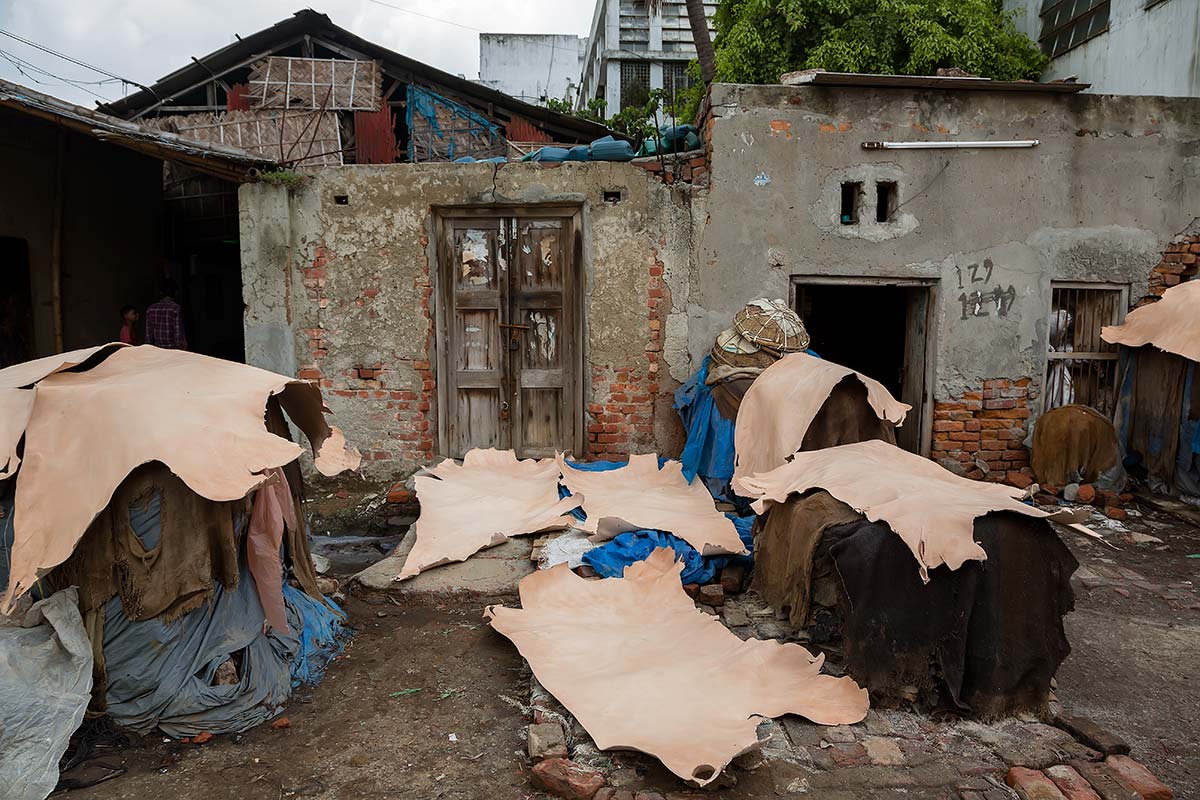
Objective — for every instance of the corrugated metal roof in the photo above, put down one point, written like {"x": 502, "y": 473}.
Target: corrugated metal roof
{"x": 223, "y": 161}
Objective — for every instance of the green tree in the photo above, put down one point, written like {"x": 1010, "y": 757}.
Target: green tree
{"x": 759, "y": 40}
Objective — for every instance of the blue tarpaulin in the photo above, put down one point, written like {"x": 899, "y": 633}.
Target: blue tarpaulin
{"x": 709, "y": 450}
{"x": 610, "y": 559}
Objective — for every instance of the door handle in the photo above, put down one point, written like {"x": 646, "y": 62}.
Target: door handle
{"x": 503, "y": 409}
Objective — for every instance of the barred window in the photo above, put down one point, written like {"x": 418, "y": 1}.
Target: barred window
{"x": 635, "y": 83}
{"x": 1069, "y": 23}
{"x": 675, "y": 77}
{"x": 1081, "y": 367}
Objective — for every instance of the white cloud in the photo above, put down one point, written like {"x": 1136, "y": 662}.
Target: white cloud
{"x": 146, "y": 39}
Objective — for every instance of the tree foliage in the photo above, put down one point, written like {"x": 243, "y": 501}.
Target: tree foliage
{"x": 759, "y": 40}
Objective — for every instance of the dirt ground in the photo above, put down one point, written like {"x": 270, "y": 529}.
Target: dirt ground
{"x": 1135, "y": 656}
{"x": 381, "y": 723}
{"x": 363, "y": 732}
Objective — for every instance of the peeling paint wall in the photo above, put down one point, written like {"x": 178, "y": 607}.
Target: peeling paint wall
{"x": 338, "y": 289}
{"x": 1113, "y": 179}
{"x": 341, "y": 290}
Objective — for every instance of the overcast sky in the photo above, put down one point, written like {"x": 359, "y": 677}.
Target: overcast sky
{"x": 145, "y": 39}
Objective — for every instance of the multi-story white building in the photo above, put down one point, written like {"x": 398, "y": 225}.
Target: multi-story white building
{"x": 1139, "y": 47}
{"x": 532, "y": 66}
{"x": 635, "y": 46}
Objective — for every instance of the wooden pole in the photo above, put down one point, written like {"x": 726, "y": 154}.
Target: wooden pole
{"x": 60, "y": 174}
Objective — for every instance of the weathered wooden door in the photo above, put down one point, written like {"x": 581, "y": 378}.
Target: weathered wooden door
{"x": 509, "y": 330}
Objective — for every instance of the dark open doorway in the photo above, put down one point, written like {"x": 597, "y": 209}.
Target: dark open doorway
{"x": 878, "y": 329}
{"x": 16, "y": 302}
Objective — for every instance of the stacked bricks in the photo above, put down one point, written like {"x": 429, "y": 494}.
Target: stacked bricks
{"x": 690, "y": 167}
{"x": 620, "y": 416}
{"x": 1180, "y": 262}
{"x": 985, "y": 427}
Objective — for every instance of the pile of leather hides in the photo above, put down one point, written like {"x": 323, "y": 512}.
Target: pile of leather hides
{"x": 987, "y": 636}
{"x": 166, "y": 487}
{"x": 610, "y": 559}
{"x": 991, "y": 630}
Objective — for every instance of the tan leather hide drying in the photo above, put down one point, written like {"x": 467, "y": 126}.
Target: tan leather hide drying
{"x": 202, "y": 417}
{"x": 642, "y": 668}
{"x": 930, "y": 508}
{"x": 480, "y": 503}
{"x": 16, "y": 401}
{"x": 781, "y": 404}
{"x": 642, "y": 496}
{"x": 1171, "y": 324}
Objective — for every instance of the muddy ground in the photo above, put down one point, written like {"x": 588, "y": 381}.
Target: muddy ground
{"x": 381, "y": 724}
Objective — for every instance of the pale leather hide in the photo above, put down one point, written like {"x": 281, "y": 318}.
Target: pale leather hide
{"x": 643, "y": 669}
{"x": 641, "y": 496}
{"x": 781, "y": 404}
{"x": 16, "y": 401}
{"x": 1171, "y": 324}
{"x": 202, "y": 417}
{"x": 930, "y": 508}
{"x": 480, "y": 503}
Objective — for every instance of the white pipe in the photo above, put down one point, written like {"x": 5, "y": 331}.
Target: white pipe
{"x": 949, "y": 145}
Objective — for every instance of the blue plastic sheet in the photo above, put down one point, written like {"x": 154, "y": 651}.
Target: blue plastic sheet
{"x": 709, "y": 450}
{"x": 610, "y": 559}
{"x": 424, "y": 103}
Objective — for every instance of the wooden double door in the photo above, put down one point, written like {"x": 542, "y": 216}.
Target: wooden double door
{"x": 509, "y": 330}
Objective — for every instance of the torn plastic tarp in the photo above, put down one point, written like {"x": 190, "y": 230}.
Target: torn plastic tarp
{"x": 611, "y": 558}
{"x": 45, "y": 686}
{"x": 160, "y": 673}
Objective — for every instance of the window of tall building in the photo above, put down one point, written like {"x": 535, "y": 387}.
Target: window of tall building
{"x": 1066, "y": 24}
{"x": 675, "y": 77}
{"x": 635, "y": 83}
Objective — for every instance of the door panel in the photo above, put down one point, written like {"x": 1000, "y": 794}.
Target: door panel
{"x": 509, "y": 346}
{"x": 474, "y": 297}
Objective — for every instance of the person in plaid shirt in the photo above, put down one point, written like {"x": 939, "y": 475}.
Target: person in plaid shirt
{"x": 164, "y": 321}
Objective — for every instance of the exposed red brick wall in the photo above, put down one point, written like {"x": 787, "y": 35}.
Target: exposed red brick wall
{"x": 402, "y": 406}
{"x": 693, "y": 169}
{"x": 620, "y": 415}
{"x": 985, "y": 426}
{"x": 1180, "y": 262}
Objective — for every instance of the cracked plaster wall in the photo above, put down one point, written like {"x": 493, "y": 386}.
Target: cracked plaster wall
{"x": 1113, "y": 180}
{"x": 331, "y": 287}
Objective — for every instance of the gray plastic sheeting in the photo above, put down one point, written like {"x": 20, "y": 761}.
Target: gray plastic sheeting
{"x": 45, "y": 686}
{"x": 160, "y": 673}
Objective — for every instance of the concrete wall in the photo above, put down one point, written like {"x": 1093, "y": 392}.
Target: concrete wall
{"x": 1112, "y": 182}
{"x": 531, "y": 66}
{"x": 111, "y": 227}
{"x": 343, "y": 294}
{"x": 1146, "y": 51}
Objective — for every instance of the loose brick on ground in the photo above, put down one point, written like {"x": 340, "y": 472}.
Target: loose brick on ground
{"x": 1071, "y": 783}
{"x": 1032, "y": 784}
{"x": 1136, "y": 777}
